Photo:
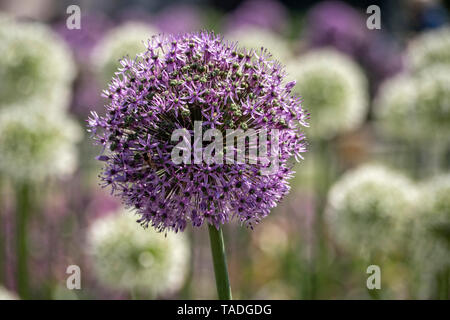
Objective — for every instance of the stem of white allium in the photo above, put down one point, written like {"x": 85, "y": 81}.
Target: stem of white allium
{"x": 443, "y": 284}
{"x": 220, "y": 263}
{"x": 2, "y": 244}
{"x": 23, "y": 202}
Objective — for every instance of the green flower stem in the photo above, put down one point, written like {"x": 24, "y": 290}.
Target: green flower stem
{"x": 2, "y": 243}
{"x": 220, "y": 263}
{"x": 23, "y": 194}
{"x": 320, "y": 260}
{"x": 443, "y": 284}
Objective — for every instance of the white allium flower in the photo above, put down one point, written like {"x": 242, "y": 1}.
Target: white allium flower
{"x": 126, "y": 40}
{"x": 35, "y": 145}
{"x": 369, "y": 209}
{"x": 36, "y": 67}
{"x": 416, "y": 108}
{"x": 5, "y": 294}
{"x": 431, "y": 242}
{"x": 430, "y": 48}
{"x": 433, "y": 101}
{"x": 334, "y": 90}
{"x": 254, "y": 38}
{"x": 395, "y": 100}
{"x": 129, "y": 257}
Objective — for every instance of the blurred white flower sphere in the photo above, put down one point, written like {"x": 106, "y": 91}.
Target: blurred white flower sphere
{"x": 369, "y": 210}
{"x": 128, "y": 257}
{"x": 429, "y": 48}
{"x": 126, "y": 40}
{"x": 7, "y": 295}
{"x": 334, "y": 90}
{"x": 36, "y": 67}
{"x": 416, "y": 108}
{"x": 431, "y": 241}
{"x": 35, "y": 145}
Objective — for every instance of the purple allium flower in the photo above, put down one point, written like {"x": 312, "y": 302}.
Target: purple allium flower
{"x": 339, "y": 25}
{"x": 83, "y": 40}
{"x": 334, "y": 23}
{"x": 187, "y": 78}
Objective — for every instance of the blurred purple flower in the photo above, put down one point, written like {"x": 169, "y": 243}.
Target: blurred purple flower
{"x": 82, "y": 40}
{"x": 179, "y": 18}
{"x": 333, "y": 23}
{"x": 268, "y": 14}
{"x": 336, "y": 24}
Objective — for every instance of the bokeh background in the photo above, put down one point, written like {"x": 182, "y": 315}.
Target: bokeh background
{"x": 374, "y": 189}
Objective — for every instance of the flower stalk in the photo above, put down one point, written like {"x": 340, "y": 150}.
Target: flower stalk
{"x": 220, "y": 262}
{"x": 23, "y": 194}
{"x": 2, "y": 243}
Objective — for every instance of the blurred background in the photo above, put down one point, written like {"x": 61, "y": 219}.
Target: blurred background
{"x": 374, "y": 188}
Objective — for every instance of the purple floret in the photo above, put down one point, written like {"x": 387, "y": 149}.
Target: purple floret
{"x": 179, "y": 80}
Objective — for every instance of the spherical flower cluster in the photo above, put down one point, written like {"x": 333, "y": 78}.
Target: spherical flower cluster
{"x": 339, "y": 25}
{"x": 254, "y": 38}
{"x": 127, "y": 257}
{"x": 178, "y": 81}
{"x": 416, "y": 108}
{"x": 35, "y": 145}
{"x": 369, "y": 210}
{"x": 83, "y": 40}
{"x": 430, "y": 48}
{"x": 395, "y": 100}
{"x": 433, "y": 102}
{"x": 431, "y": 241}
{"x": 334, "y": 90}
{"x": 124, "y": 40}
{"x": 36, "y": 67}
{"x": 6, "y": 294}
{"x": 336, "y": 24}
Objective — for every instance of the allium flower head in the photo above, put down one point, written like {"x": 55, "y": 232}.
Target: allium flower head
{"x": 35, "y": 145}
{"x": 124, "y": 40}
{"x": 5, "y": 294}
{"x": 369, "y": 209}
{"x": 336, "y": 24}
{"x": 430, "y": 48}
{"x": 339, "y": 25}
{"x": 180, "y": 80}
{"x": 333, "y": 88}
{"x": 35, "y": 65}
{"x": 431, "y": 241}
{"x": 127, "y": 257}
{"x": 83, "y": 40}
{"x": 416, "y": 108}
{"x": 395, "y": 99}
